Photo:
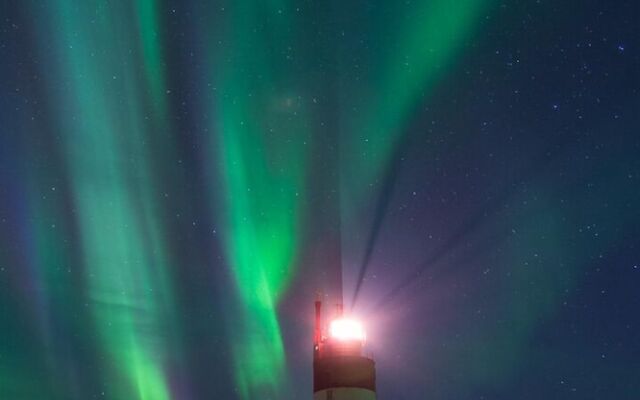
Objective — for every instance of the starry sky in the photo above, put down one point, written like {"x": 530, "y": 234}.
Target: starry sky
{"x": 179, "y": 179}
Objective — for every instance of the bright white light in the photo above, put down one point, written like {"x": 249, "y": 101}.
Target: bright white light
{"x": 346, "y": 329}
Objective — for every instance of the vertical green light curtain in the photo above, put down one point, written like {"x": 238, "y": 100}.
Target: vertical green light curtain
{"x": 108, "y": 76}
{"x": 103, "y": 128}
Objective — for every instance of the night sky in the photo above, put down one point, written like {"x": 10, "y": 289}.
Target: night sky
{"x": 178, "y": 180}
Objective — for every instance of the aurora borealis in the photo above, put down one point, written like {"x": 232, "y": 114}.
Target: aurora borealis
{"x": 179, "y": 178}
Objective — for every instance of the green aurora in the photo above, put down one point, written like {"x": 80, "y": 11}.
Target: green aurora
{"x": 109, "y": 84}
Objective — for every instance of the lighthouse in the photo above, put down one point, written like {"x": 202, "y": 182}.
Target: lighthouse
{"x": 341, "y": 370}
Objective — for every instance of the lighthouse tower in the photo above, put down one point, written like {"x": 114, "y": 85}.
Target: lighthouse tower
{"x": 341, "y": 370}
